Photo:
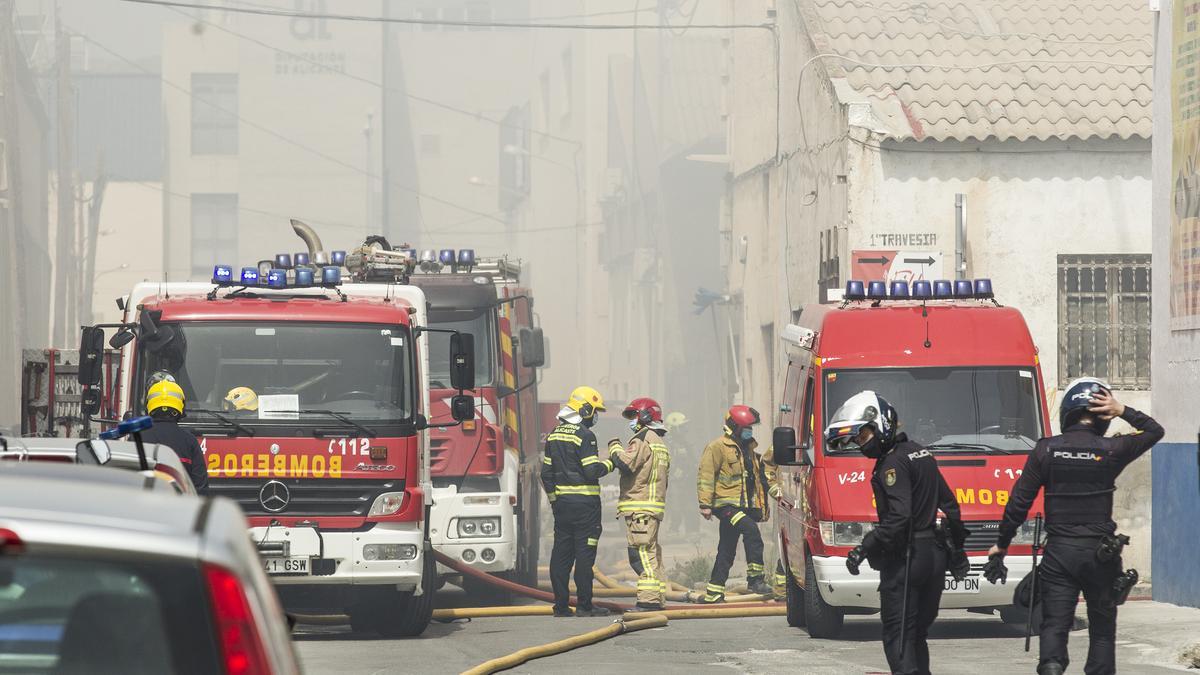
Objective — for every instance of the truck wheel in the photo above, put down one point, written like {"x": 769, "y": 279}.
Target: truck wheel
{"x": 483, "y": 593}
{"x": 405, "y": 614}
{"x": 795, "y": 600}
{"x": 824, "y": 620}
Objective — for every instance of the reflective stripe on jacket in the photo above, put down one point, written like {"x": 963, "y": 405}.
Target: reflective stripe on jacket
{"x": 644, "y": 465}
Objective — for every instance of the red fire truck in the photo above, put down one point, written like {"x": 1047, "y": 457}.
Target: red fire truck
{"x": 310, "y": 398}
{"x": 964, "y": 376}
{"x": 486, "y": 492}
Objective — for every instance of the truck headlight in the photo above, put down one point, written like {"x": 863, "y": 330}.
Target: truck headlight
{"x": 1024, "y": 534}
{"x": 387, "y": 504}
{"x": 836, "y": 533}
{"x": 479, "y": 527}
{"x": 389, "y": 552}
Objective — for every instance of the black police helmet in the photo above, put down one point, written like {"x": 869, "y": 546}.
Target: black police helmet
{"x": 1078, "y": 398}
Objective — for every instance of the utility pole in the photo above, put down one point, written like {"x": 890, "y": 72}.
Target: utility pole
{"x": 64, "y": 241}
{"x": 385, "y": 211}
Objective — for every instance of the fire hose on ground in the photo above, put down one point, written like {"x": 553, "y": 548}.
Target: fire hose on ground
{"x": 591, "y": 637}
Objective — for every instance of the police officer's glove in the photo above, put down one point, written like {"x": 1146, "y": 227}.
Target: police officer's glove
{"x": 995, "y": 569}
{"x": 855, "y": 559}
{"x": 960, "y": 565}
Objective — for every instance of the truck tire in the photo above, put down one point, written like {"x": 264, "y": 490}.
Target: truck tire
{"x": 824, "y": 620}
{"x": 404, "y": 614}
{"x": 795, "y": 600}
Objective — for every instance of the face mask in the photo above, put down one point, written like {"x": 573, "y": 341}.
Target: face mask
{"x": 634, "y": 426}
{"x": 747, "y": 434}
{"x": 872, "y": 448}
{"x": 589, "y": 421}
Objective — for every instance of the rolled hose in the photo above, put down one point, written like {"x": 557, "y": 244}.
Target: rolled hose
{"x": 582, "y": 640}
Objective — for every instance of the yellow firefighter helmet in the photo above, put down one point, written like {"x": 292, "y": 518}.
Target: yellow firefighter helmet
{"x": 241, "y": 398}
{"x": 164, "y": 394}
{"x": 586, "y": 401}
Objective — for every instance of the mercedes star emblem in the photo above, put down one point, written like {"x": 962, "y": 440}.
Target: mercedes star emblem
{"x": 274, "y": 496}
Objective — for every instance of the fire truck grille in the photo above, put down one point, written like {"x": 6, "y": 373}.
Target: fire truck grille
{"x": 302, "y": 496}
{"x": 983, "y": 534}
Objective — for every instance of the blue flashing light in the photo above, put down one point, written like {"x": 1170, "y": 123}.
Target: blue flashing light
{"x": 301, "y": 259}
{"x": 337, "y": 258}
{"x": 127, "y": 427}
{"x": 331, "y": 276}
{"x": 466, "y": 257}
{"x": 250, "y": 276}
{"x": 446, "y": 256}
{"x": 963, "y": 288}
{"x": 922, "y": 289}
{"x": 277, "y": 279}
{"x": 283, "y": 261}
{"x": 410, "y": 253}
{"x": 855, "y": 290}
{"x": 983, "y": 288}
{"x": 222, "y": 275}
{"x": 942, "y": 289}
{"x": 876, "y": 290}
{"x": 899, "y": 289}
{"x": 304, "y": 277}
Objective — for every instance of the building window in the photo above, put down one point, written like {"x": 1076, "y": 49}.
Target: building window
{"x": 214, "y": 113}
{"x": 214, "y": 232}
{"x": 1104, "y": 319}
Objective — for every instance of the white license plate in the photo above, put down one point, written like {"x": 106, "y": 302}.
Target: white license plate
{"x": 297, "y": 565}
{"x": 968, "y": 585}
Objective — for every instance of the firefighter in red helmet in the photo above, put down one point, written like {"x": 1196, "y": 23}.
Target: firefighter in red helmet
{"x": 644, "y": 463}
{"x": 733, "y": 484}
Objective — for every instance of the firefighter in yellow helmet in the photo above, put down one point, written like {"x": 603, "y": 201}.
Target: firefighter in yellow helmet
{"x": 164, "y": 403}
{"x": 571, "y": 472}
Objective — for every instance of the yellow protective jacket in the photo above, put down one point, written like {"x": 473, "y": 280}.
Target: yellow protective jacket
{"x": 722, "y": 477}
{"x": 644, "y": 465}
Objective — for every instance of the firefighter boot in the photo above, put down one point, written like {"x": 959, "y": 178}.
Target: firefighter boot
{"x": 713, "y": 594}
{"x": 592, "y": 611}
{"x": 760, "y": 587}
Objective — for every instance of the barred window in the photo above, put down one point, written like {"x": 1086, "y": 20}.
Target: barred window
{"x": 1104, "y": 319}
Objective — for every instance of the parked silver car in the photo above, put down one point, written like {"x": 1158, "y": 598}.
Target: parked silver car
{"x": 100, "y": 575}
{"x": 162, "y": 461}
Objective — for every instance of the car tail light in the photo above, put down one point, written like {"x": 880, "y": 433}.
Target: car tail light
{"x": 10, "y": 543}
{"x": 242, "y": 649}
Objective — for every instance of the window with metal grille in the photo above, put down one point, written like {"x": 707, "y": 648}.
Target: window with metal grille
{"x": 1104, "y": 319}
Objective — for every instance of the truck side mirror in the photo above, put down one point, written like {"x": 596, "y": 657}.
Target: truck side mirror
{"x": 462, "y": 407}
{"x": 533, "y": 347}
{"x": 783, "y": 441}
{"x": 462, "y": 361}
{"x": 89, "y": 401}
{"x": 91, "y": 356}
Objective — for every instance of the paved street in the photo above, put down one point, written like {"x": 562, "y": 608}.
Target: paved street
{"x": 1150, "y": 637}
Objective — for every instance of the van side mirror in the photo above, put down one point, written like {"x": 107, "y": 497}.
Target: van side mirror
{"x": 91, "y": 356}
{"x": 92, "y": 452}
{"x": 462, "y": 362}
{"x": 462, "y": 407}
{"x": 533, "y": 347}
{"x": 783, "y": 440}
{"x": 121, "y": 338}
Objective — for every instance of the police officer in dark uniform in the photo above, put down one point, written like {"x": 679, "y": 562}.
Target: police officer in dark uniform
{"x": 910, "y": 554}
{"x": 1078, "y": 469}
{"x": 571, "y": 472}
{"x": 164, "y": 403}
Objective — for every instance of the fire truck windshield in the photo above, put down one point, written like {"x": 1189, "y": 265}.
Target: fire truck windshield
{"x": 279, "y": 370}
{"x": 958, "y": 409}
{"x": 478, "y": 324}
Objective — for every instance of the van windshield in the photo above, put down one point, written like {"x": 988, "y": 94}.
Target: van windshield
{"x": 951, "y": 410}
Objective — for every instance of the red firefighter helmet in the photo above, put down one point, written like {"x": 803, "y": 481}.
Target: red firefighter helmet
{"x": 644, "y": 410}
{"x": 741, "y": 416}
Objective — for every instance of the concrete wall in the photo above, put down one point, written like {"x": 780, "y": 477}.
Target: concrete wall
{"x": 1176, "y": 370}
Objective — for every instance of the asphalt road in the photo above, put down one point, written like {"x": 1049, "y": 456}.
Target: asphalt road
{"x": 1150, "y": 637}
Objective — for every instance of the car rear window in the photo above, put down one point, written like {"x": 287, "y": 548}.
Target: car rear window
{"x": 71, "y": 616}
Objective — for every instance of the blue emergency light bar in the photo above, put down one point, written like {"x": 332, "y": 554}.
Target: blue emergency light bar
{"x": 855, "y": 290}
{"x": 277, "y": 279}
{"x": 899, "y": 290}
{"x": 876, "y": 290}
{"x": 127, "y": 427}
{"x": 304, "y": 277}
{"x": 249, "y": 276}
{"x": 264, "y": 269}
{"x": 942, "y": 289}
{"x": 337, "y": 258}
{"x": 963, "y": 288}
{"x": 331, "y": 276}
{"x": 301, "y": 259}
{"x": 983, "y": 289}
{"x": 283, "y": 261}
{"x": 466, "y": 257}
{"x": 222, "y": 275}
{"x": 922, "y": 290}
{"x": 446, "y": 256}
{"x": 410, "y": 253}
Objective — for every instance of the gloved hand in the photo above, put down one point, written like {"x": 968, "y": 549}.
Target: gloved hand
{"x": 995, "y": 569}
{"x": 616, "y": 442}
{"x": 960, "y": 565}
{"x": 855, "y": 559}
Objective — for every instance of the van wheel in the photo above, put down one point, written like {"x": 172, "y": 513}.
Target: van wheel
{"x": 824, "y": 620}
{"x": 795, "y": 600}
{"x": 404, "y": 614}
